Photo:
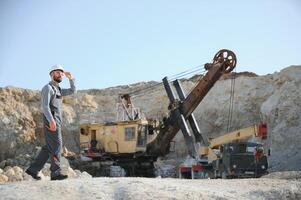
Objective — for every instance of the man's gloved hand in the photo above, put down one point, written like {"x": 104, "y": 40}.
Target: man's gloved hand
{"x": 52, "y": 126}
{"x": 68, "y": 75}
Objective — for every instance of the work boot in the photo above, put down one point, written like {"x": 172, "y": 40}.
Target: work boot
{"x": 33, "y": 175}
{"x": 59, "y": 177}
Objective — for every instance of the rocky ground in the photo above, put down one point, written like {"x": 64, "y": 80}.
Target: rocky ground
{"x": 15, "y": 173}
{"x": 16, "y": 184}
{"x": 154, "y": 188}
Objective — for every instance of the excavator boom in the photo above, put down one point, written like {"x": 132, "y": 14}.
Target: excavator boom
{"x": 182, "y": 110}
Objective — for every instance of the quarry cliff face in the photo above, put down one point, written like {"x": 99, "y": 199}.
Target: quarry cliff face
{"x": 273, "y": 98}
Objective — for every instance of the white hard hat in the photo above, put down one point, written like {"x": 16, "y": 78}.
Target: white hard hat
{"x": 56, "y": 67}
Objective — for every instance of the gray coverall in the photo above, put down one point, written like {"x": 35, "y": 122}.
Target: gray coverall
{"x": 51, "y": 99}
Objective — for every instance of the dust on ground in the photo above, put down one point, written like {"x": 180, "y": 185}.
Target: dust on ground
{"x": 276, "y": 187}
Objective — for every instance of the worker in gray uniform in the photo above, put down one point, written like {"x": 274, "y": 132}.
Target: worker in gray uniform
{"x": 51, "y": 98}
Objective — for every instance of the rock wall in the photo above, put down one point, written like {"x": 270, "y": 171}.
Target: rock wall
{"x": 273, "y": 98}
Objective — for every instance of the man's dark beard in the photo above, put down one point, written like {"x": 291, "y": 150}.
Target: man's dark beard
{"x": 58, "y": 80}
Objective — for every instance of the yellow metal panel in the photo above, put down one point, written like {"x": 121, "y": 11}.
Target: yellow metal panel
{"x": 234, "y": 136}
{"x": 203, "y": 151}
{"x": 110, "y": 138}
{"x": 84, "y": 139}
{"x": 211, "y": 155}
{"x": 130, "y": 145}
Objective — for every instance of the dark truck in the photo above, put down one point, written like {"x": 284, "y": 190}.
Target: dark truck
{"x": 241, "y": 160}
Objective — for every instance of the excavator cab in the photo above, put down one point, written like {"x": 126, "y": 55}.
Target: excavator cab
{"x": 100, "y": 140}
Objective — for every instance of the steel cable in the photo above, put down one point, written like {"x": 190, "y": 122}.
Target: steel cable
{"x": 232, "y": 91}
{"x": 143, "y": 91}
{"x": 189, "y": 70}
{"x": 172, "y": 78}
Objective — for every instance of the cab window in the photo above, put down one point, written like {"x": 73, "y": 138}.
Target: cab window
{"x": 129, "y": 133}
{"x": 142, "y": 134}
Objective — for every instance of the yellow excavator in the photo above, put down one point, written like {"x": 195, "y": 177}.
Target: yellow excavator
{"x": 131, "y": 145}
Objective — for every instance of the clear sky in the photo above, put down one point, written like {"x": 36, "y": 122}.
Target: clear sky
{"x": 110, "y": 43}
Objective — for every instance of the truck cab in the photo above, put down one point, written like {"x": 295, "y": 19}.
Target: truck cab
{"x": 242, "y": 159}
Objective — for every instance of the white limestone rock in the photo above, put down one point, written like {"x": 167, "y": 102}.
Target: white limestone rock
{"x": 9, "y": 172}
{"x": 3, "y": 178}
{"x": 85, "y": 175}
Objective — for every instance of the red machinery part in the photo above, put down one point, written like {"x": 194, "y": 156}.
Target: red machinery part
{"x": 197, "y": 167}
{"x": 185, "y": 169}
{"x": 262, "y": 131}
